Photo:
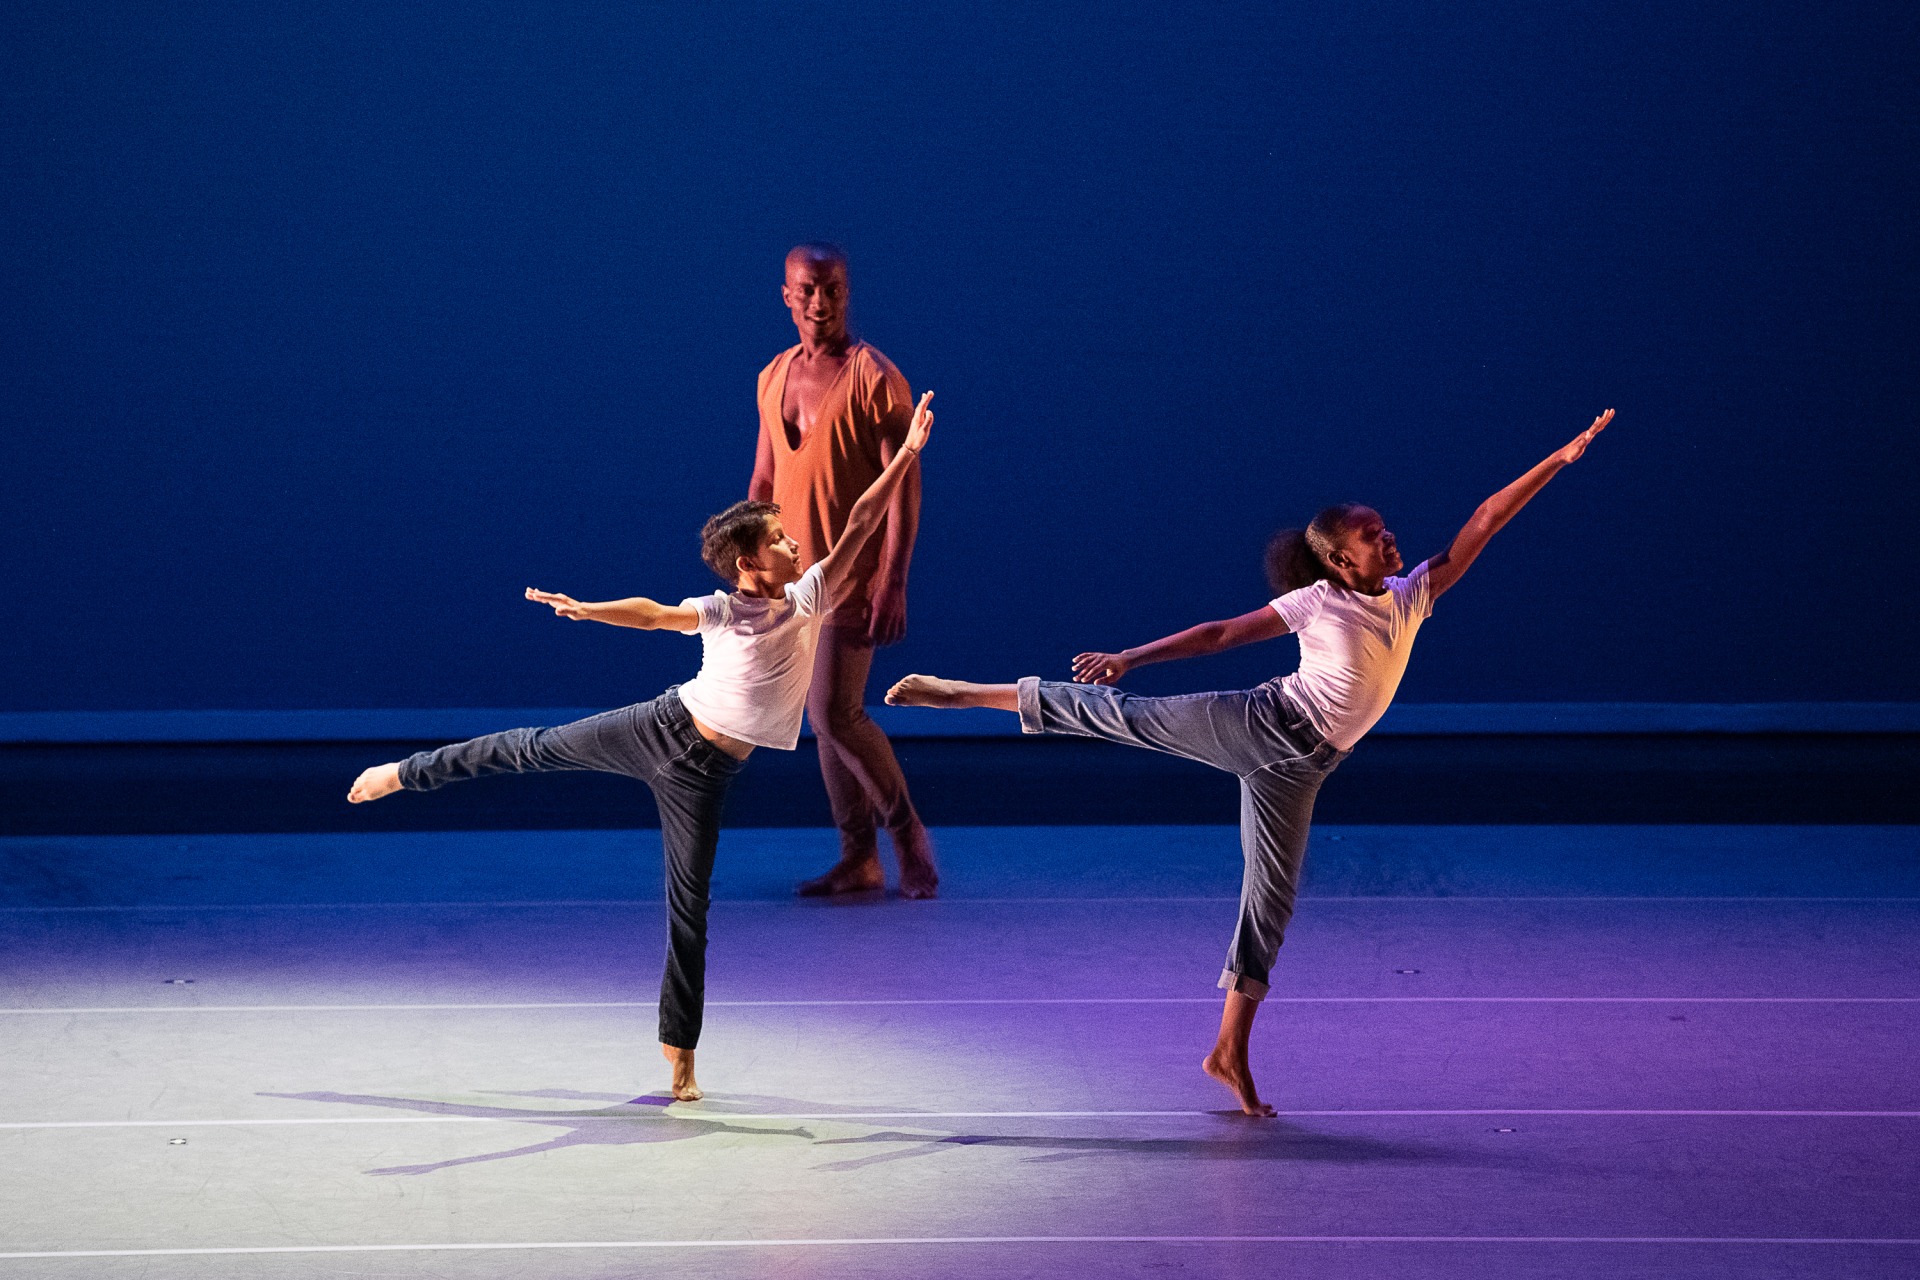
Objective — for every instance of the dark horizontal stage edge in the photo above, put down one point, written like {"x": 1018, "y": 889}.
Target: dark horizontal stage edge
{"x": 131, "y": 788}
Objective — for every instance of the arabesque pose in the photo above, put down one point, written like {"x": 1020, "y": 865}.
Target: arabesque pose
{"x": 1356, "y": 623}
{"x": 757, "y": 663}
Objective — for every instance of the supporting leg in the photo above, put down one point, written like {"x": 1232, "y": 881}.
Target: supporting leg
{"x": 690, "y": 800}
{"x": 865, "y": 785}
{"x": 656, "y": 743}
{"x": 1228, "y": 1061}
{"x": 1276, "y": 810}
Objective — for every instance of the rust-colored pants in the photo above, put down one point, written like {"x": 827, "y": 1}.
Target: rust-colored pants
{"x": 864, "y": 784}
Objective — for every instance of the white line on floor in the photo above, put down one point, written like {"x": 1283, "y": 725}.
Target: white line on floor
{"x": 1011, "y": 1000}
{"x": 597, "y": 903}
{"x": 855, "y": 1241}
{"x": 654, "y": 1115}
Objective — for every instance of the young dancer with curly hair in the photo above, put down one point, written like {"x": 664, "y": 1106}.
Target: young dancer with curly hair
{"x": 758, "y": 642}
{"x": 1356, "y": 621}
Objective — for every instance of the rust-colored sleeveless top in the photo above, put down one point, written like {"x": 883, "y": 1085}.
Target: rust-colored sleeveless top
{"x": 817, "y": 479}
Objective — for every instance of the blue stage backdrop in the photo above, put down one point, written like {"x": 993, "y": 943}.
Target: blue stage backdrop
{"x": 329, "y": 327}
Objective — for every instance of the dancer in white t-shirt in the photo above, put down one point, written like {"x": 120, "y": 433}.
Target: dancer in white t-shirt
{"x": 1356, "y": 623}
{"x": 757, "y": 644}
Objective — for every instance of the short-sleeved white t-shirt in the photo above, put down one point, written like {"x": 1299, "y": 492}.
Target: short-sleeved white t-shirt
{"x": 1353, "y": 650}
{"x": 756, "y": 661}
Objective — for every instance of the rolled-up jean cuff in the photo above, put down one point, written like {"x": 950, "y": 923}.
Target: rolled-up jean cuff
{"x": 409, "y": 775}
{"x": 1251, "y": 988}
{"x": 1028, "y": 688}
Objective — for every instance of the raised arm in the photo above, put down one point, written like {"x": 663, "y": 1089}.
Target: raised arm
{"x": 1445, "y": 569}
{"x": 635, "y": 611}
{"x": 869, "y": 514}
{"x": 1195, "y": 642}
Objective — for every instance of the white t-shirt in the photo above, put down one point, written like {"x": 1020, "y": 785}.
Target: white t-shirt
{"x": 757, "y": 661}
{"x": 1353, "y": 650}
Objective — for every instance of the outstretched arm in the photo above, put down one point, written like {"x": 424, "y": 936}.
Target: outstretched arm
{"x": 1195, "y": 642}
{"x": 636, "y": 611}
{"x": 869, "y": 514}
{"x": 1445, "y": 569}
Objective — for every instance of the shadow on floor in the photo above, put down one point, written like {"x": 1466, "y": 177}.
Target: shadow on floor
{"x": 1248, "y": 1140}
{"x": 638, "y": 1120}
{"x": 629, "y": 1121}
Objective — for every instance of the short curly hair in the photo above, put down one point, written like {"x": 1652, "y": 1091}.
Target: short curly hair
{"x": 733, "y": 533}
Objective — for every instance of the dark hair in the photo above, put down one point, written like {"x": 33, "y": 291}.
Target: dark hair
{"x": 733, "y": 533}
{"x": 1297, "y": 558}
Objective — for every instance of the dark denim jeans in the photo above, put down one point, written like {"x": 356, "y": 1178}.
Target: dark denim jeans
{"x": 656, "y": 743}
{"x": 1260, "y": 737}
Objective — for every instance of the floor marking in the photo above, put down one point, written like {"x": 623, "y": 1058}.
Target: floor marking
{"x": 855, "y": 1241}
{"x": 596, "y": 903}
{"x": 984, "y": 1001}
{"x": 655, "y": 1114}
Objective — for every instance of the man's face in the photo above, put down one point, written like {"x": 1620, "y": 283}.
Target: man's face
{"x": 816, "y": 295}
{"x": 1366, "y": 548}
{"x": 778, "y": 557}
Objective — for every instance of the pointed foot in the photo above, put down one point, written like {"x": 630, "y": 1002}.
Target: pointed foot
{"x": 685, "y": 1087}
{"x": 381, "y": 780}
{"x": 1236, "y": 1076}
{"x": 925, "y": 691}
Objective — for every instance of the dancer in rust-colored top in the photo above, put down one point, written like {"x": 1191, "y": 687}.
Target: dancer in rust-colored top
{"x": 832, "y": 413}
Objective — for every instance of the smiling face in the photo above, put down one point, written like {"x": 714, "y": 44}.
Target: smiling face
{"x": 816, "y": 296}
{"x": 1366, "y": 551}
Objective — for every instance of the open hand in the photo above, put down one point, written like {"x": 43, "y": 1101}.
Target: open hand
{"x": 922, "y": 425}
{"x": 1100, "y": 668}
{"x": 1580, "y": 442}
{"x": 565, "y": 606}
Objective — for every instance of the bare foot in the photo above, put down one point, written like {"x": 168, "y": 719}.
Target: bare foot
{"x": 919, "y": 878}
{"x": 849, "y": 875}
{"x": 381, "y": 780}
{"x": 1238, "y": 1078}
{"x": 927, "y": 691}
{"x": 685, "y": 1088}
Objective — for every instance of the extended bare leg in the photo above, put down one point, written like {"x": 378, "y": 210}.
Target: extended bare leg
{"x": 931, "y": 691}
{"x": 1228, "y": 1061}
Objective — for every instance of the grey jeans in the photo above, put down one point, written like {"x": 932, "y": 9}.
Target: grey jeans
{"x": 1260, "y": 737}
{"x": 656, "y": 743}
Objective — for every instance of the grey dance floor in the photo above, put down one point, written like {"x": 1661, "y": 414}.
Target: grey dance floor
{"x": 1500, "y": 1052}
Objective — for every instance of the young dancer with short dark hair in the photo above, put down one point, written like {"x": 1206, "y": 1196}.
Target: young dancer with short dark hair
{"x": 757, "y": 663}
{"x": 1356, "y": 624}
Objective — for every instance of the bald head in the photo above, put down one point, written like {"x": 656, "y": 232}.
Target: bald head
{"x": 816, "y": 252}
{"x": 815, "y": 291}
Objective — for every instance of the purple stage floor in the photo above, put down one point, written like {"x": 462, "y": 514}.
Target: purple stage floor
{"x": 1499, "y": 1051}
